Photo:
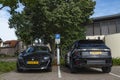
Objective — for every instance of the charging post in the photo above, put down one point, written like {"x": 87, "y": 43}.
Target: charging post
{"x": 57, "y": 42}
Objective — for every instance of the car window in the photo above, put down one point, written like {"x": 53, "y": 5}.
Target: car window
{"x": 91, "y": 43}
{"x": 29, "y": 50}
{"x": 37, "y": 49}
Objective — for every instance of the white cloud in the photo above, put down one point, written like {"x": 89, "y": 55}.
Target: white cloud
{"x": 5, "y": 32}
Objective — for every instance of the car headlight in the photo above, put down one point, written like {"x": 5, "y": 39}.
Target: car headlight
{"x": 46, "y": 57}
{"x": 20, "y": 58}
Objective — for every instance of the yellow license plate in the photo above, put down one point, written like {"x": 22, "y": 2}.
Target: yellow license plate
{"x": 32, "y": 62}
{"x": 96, "y": 53}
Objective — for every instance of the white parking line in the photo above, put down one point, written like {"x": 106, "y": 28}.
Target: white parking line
{"x": 112, "y": 74}
{"x": 115, "y": 75}
{"x": 59, "y": 72}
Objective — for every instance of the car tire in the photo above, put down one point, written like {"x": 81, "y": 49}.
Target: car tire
{"x": 106, "y": 69}
{"x": 18, "y": 68}
{"x": 66, "y": 65}
{"x": 72, "y": 68}
{"x": 49, "y": 69}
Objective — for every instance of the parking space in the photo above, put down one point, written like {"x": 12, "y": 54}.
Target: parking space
{"x": 83, "y": 74}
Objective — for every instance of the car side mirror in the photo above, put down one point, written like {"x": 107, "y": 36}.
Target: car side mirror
{"x": 23, "y": 51}
{"x": 50, "y": 52}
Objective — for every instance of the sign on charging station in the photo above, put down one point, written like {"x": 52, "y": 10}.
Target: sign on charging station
{"x": 57, "y": 38}
{"x": 57, "y": 42}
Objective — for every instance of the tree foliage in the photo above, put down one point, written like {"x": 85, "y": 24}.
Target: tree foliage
{"x": 44, "y": 18}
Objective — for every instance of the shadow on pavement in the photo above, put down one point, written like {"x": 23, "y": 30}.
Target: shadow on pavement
{"x": 82, "y": 70}
{"x": 32, "y": 71}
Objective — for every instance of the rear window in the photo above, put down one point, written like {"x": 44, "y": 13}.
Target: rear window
{"x": 90, "y": 43}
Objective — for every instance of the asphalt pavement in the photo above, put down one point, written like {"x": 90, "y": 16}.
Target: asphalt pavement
{"x": 84, "y": 74}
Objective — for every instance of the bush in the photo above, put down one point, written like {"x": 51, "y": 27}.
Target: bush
{"x": 116, "y": 61}
{"x": 7, "y": 56}
{"x": 62, "y": 61}
{"x": 3, "y": 55}
{"x": 54, "y": 63}
{"x": 7, "y": 66}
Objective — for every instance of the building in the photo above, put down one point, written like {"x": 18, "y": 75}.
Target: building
{"x": 106, "y": 28}
{"x": 105, "y": 25}
{"x": 10, "y": 47}
{"x": 1, "y": 42}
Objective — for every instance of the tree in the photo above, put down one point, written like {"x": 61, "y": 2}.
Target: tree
{"x": 48, "y": 17}
{"x": 21, "y": 24}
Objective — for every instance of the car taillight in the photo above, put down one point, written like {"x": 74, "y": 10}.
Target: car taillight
{"x": 77, "y": 53}
{"x": 106, "y": 49}
{"x": 77, "y": 62}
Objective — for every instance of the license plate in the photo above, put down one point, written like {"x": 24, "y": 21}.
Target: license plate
{"x": 96, "y": 53}
{"x": 32, "y": 62}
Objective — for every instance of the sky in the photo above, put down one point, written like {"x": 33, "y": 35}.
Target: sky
{"x": 102, "y": 8}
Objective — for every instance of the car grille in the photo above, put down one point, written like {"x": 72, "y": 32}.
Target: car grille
{"x": 33, "y": 58}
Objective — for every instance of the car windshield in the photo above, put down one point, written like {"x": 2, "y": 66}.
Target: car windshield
{"x": 37, "y": 49}
{"x": 91, "y": 43}
{"x": 41, "y": 48}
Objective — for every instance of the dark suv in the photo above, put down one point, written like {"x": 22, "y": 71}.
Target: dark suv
{"x": 89, "y": 53}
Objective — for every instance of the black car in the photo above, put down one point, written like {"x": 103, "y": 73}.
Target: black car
{"x": 35, "y": 57}
{"x": 89, "y": 53}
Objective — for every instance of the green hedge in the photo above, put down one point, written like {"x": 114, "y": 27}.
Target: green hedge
{"x": 116, "y": 61}
{"x": 7, "y": 66}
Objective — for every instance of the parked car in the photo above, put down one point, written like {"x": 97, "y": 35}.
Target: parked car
{"x": 35, "y": 57}
{"x": 89, "y": 53}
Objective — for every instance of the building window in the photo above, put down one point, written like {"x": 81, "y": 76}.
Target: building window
{"x": 96, "y": 28}
{"x": 118, "y": 25}
{"x": 89, "y": 30}
{"x": 104, "y": 27}
{"x": 6, "y": 45}
{"x": 112, "y": 27}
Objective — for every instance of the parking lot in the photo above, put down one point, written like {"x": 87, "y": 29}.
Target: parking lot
{"x": 87, "y": 74}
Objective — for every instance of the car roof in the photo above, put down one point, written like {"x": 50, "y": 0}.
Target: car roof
{"x": 91, "y": 41}
{"x": 39, "y": 46}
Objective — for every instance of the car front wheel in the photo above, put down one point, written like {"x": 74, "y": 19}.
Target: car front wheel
{"x": 72, "y": 68}
{"x": 106, "y": 69}
{"x": 18, "y": 68}
{"x": 49, "y": 69}
{"x": 66, "y": 65}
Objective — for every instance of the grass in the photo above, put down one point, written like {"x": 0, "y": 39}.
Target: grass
{"x": 7, "y": 56}
{"x": 7, "y": 66}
